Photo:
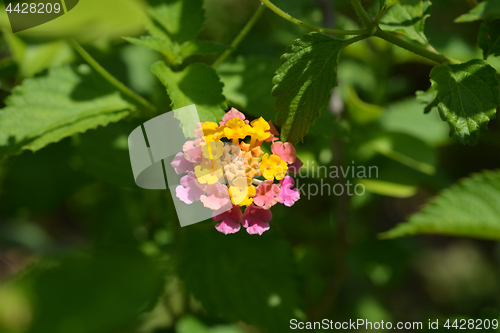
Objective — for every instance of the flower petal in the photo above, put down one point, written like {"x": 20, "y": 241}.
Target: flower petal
{"x": 288, "y": 195}
{"x": 285, "y": 150}
{"x": 230, "y": 221}
{"x": 181, "y": 165}
{"x": 254, "y": 219}
{"x": 233, "y": 113}
{"x": 190, "y": 189}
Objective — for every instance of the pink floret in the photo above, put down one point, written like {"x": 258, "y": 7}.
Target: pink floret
{"x": 288, "y": 195}
{"x": 231, "y": 114}
{"x": 254, "y": 219}
{"x": 294, "y": 168}
{"x": 217, "y": 197}
{"x": 267, "y": 194}
{"x": 192, "y": 151}
{"x": 190, "y": 189}
{"x": 181, "y": 165}
{"x": 285, "y": 150}
{"x": 230, "y": 221}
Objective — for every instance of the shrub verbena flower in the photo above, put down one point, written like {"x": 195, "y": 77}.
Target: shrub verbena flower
{"x": 226, "y": 170}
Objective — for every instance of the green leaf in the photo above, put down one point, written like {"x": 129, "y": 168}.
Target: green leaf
{"x": 49, "y": 108}
{"x": 468, "y": 96}
{"x": 174, "y": 31}
{"x": 408, "y": 18}
{"x": 247, "y": 85}
{"x": 194, "y": 47}
{"x": 33, "y": 58}
{"x": 428, "y": 97}
{"x": 231, "y": 275}
{"x": 392, "y": 178}
{"x": 181, "y": 19}
{"x": 405, "y": 116}
{"x": 488, "y": 38}
{"x": 196, "y": 84}
{"x": 388, "y": 188}
{"x": 93, "y": 21}
{"x": 470, "y": 208}
{"x": 361, "y": 111}
{"x": 157, "y": 43}
{"x": 384, "y": 4}
{"x": 303, "y": 83}
{"x": 404, "y": 149}
{"x": 485, "y": 10}
{"x": 174, "y": 52}
{"x": 104, "y": 153}
{"x": 138, "y": 62}
{"x": 58, "y": 182}
{"x": 190, "y": 324}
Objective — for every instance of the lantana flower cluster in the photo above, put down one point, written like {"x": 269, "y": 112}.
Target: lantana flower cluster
{"x": 227, "y": 171}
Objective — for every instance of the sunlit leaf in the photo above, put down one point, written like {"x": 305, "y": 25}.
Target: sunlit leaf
{"x": 177, "y": 53}
{"x": 194, "y": 47}
{"x": 174, "y": 29}
{"x": 181, "y": 19}
{"x": 91, "y": 21}
{"x": 157, "y": 43}
{"x": 303, "y": 83}
{"x": 384, "y": 4}
{"x": 32, "y": 58}
{"x": 196, "y": 84}
{"x": 408, "y": 18}
{"x": 49, "y": 108}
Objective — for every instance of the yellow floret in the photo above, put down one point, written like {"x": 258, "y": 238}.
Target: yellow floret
{"x": 236, "y": 129}
{"x": 260, "y": 129}
{"x": 273, "y": 167}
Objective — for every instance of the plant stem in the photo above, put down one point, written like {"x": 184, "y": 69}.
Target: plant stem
{"x": 380, "y": 13}
{"x": 308, "y": 26}
{"x": 355, "y": 39}
{"x": 246, "y": 29}
{"x": 436, "y": 57}
{"x": 362, "y": 14}
{"x": 110, "y": 78}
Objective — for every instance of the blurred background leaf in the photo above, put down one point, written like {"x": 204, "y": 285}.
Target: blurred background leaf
{"x": 470, "y": 208}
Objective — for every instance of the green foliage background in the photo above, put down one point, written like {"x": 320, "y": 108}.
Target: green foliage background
{"x": 83, "y": 249}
